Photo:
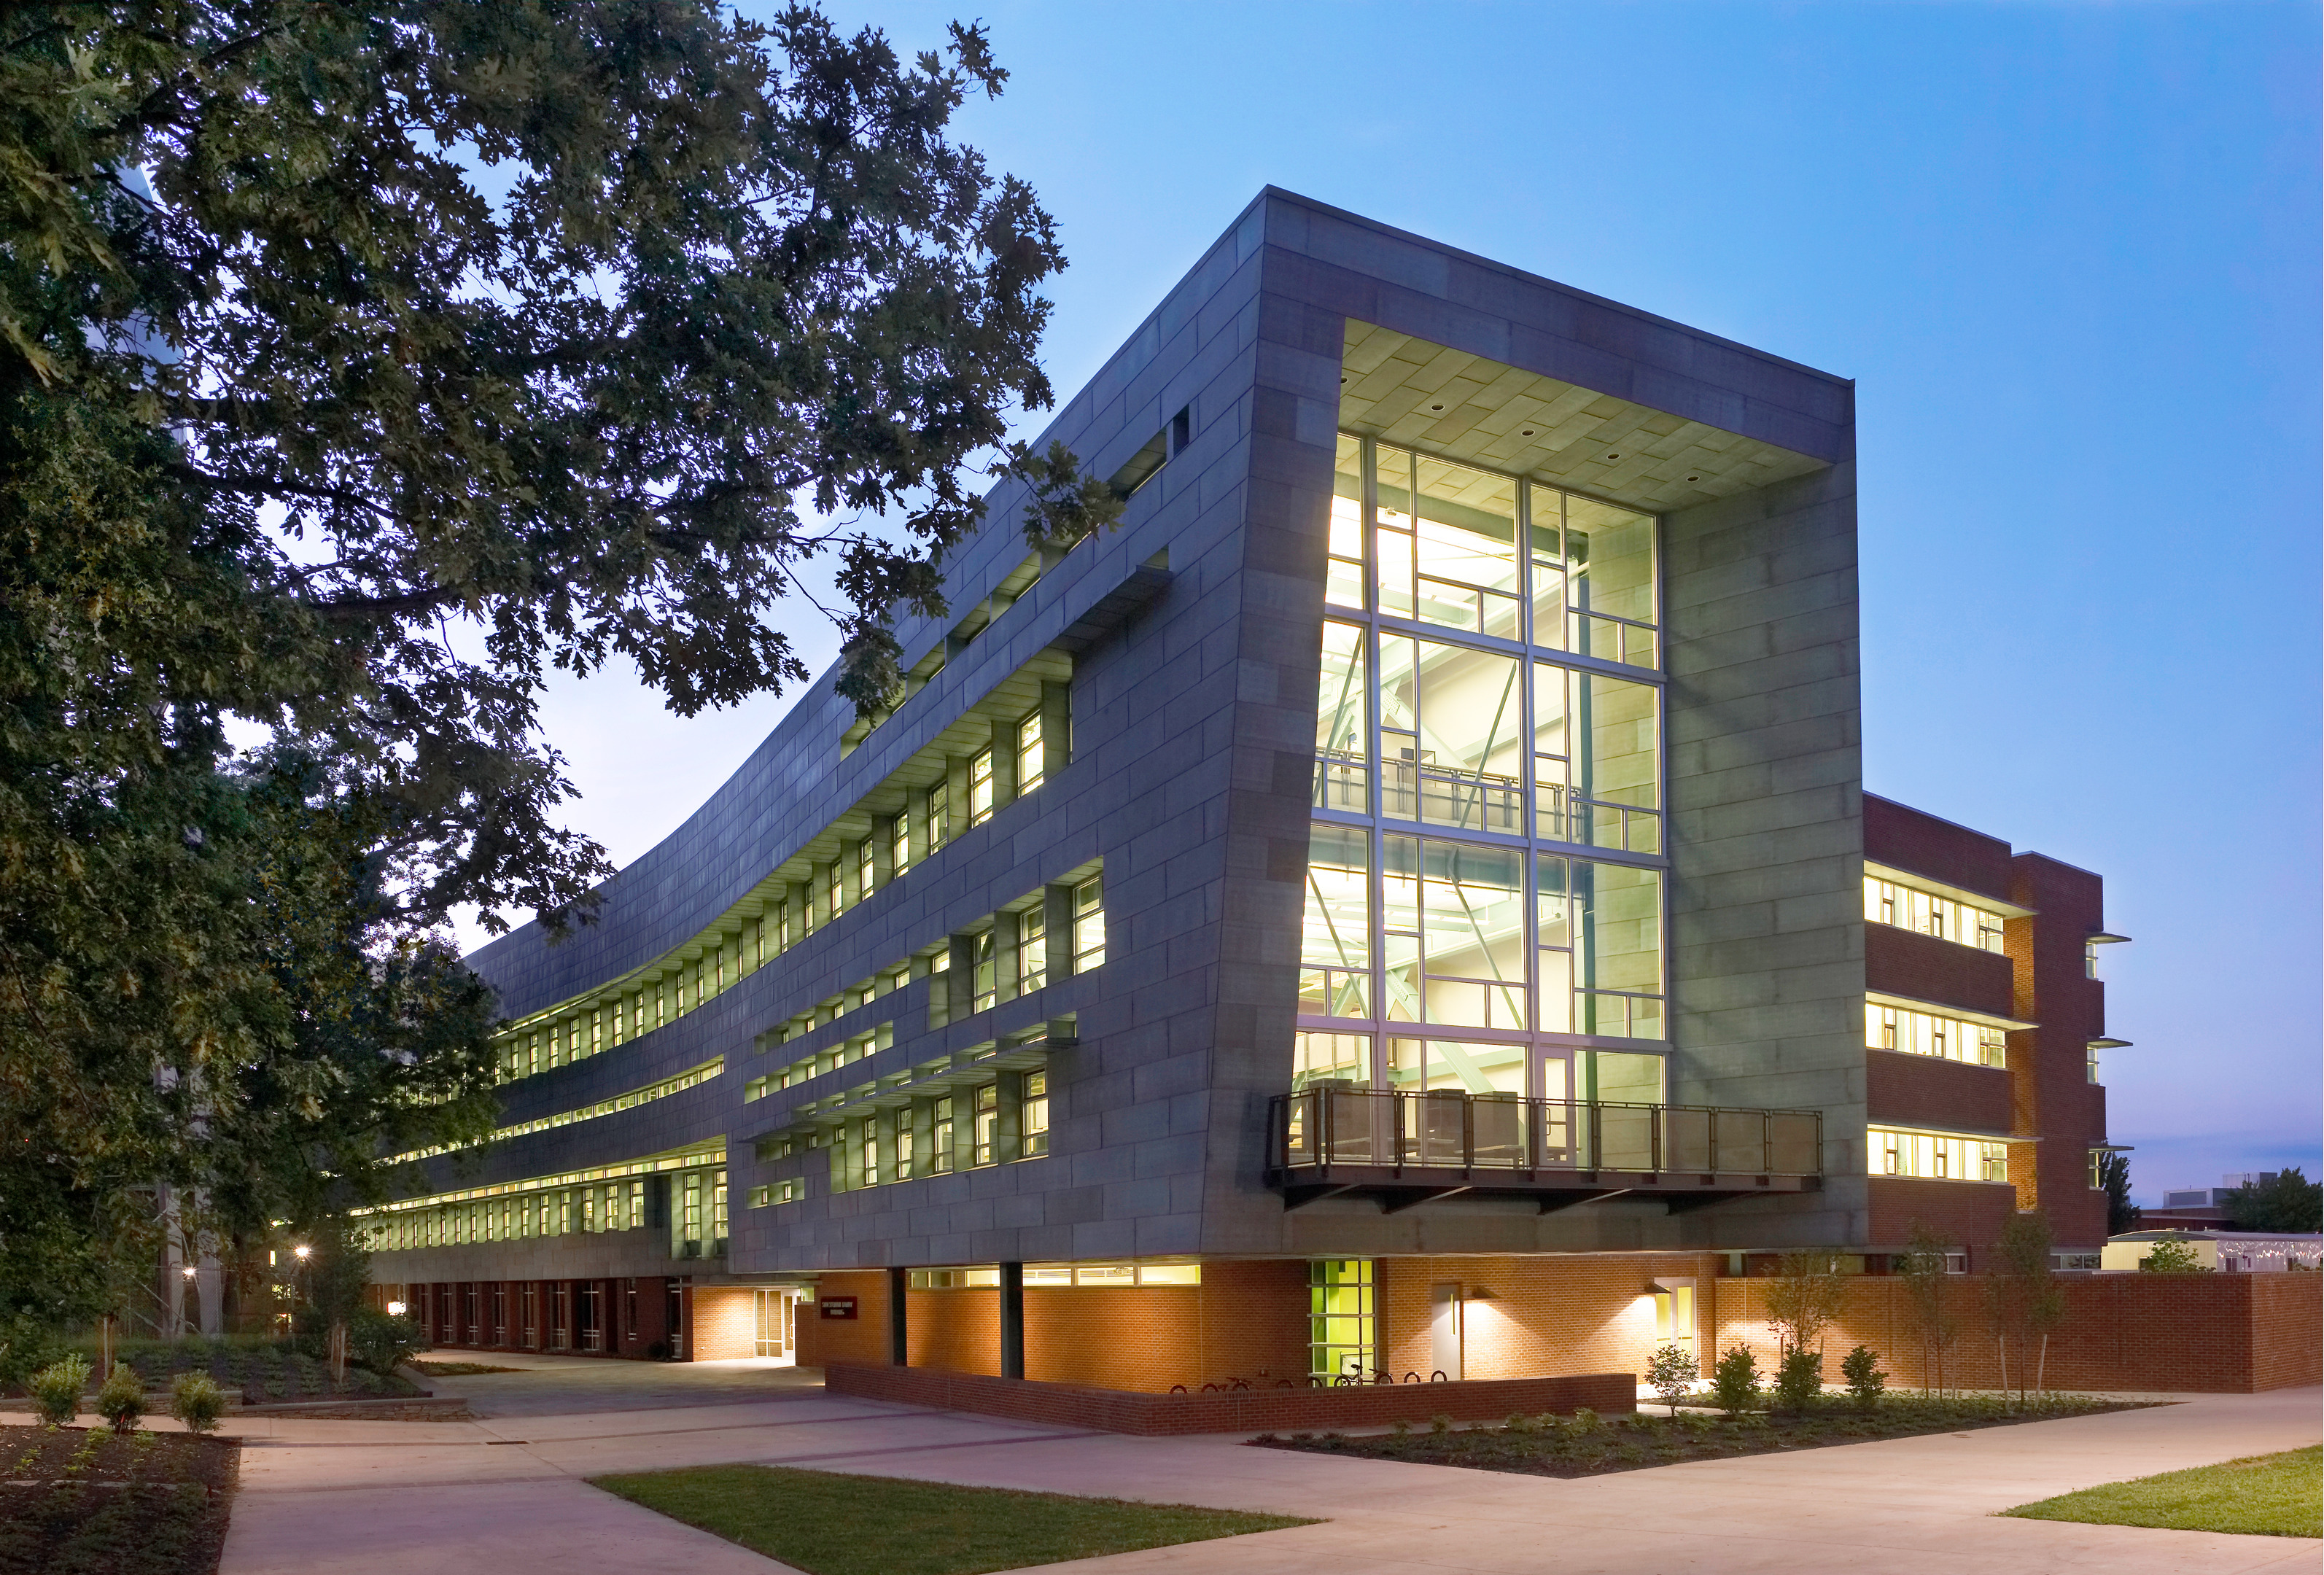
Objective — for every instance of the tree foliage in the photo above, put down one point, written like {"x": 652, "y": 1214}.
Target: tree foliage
{"x": 2172, "y": 1255}
{"x": 2286, "y": 1202}
{"x": 360, "y": 366}
{"x": 2114, "y": 1175}
{"x": 1922, "y": 1266}
{"x": 1805, "y": 1297}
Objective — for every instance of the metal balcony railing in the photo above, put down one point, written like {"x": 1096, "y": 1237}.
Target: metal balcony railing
{"x": 1319, "y": 1129}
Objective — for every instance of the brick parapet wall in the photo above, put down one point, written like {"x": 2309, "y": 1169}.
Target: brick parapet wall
{"x": 1548, "y": 1313}
{"x": 1926, "y": 1090}
{"x": 2215, "y": 1334}
{"x": 1242, "y": 1411}
{"x": 1924, "y": 968}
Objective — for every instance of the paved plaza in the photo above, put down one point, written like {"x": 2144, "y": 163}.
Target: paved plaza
{"x": 508, "y": 1493}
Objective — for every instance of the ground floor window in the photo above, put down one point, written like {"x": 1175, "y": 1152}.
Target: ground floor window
{"x": 1343, "y": 1323}
{"x": 778, "y": 1324}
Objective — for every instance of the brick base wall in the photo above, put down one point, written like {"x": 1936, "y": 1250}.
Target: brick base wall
{"x": 1551, "y": 1313}
{"x": 2214, "y": 1334}
{"x": 1244, "y": 1410}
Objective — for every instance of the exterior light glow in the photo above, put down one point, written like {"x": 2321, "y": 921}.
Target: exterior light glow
{"x": 300, "y": 1252}
{"x": 188, "y": 1271}
{"x": 395, "y": 1309}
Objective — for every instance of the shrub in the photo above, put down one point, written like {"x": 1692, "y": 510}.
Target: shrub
{"x": 122, "y": 1400}
{"x": 1861, "y": 1369}
{"x": 1735, "y": 1381}
{"x": 1669, "y": 1373}
{"x": 1585, "y": 1420}
{"x": 56, "y": 1389}
{"x": 381, "y": 1343}
{"x": 1441, "y": 1423}
{"x": 1400, "y": 1427}
{"x": 196, "y": 1400}
{"x": 1799, "y": 1379}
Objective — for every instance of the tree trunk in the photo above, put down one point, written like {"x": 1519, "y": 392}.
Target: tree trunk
{"x": 2042, "y": 1371}
{"x": 2003, "y": 1340}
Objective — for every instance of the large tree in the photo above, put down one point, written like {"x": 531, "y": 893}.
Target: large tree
{"x": 359, "y": 365}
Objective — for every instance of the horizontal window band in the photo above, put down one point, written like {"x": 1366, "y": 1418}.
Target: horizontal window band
{"x": 1905, "y": 1003}
{"x": 1877, "y": 870}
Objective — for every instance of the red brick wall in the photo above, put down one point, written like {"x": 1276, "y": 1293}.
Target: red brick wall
{"x": 1245, "y": 1319}
{"x": 1924, "y": 968}
{"x": 1925, "y": 1091}
{"x": 1247, "y": 1411}
{"x": 1968, "y": 1214}
{"x": 2049, "y": 1065}
{"x": 1554, "y": 1313}
{"x": 725, "y": 1323}
{"x": 822, "y": 1341}
{"x": 1898, "y": 835}
{"x": 2232, "y": 1334}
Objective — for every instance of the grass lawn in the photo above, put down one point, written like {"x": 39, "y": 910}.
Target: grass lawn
{"x": 2266, "y": 1495}
{"x": 831, "y": 1524}
{"x": 1587, "y": 1446}
{"x": 93, "y": 1500}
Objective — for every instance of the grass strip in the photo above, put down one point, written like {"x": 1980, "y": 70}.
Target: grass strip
{"x": 828, "y": 1524}
{"x": 2262, "y": 1495}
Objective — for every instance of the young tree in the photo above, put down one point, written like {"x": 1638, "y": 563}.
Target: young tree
{"x": 2172, "y": 1255}
{"x": 1922, "y": 1266}
{"x": 2114, "y": 1175}
{"x": 360, "y": 366}
{"x": 2286, "y": 1202}
{"x": 2021, "y": 1293}
{"x": 1669, "y": 1373}
{"x": 1807, "y": 1295}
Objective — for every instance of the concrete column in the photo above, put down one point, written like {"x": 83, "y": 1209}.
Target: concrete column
{"x": 1012, "y": 1319}
{"x": 898, "y": 1351}
{"x": 1057, "y": 728}
{"x": 1058, "y": 912}
{"x": 1004, "y": 765}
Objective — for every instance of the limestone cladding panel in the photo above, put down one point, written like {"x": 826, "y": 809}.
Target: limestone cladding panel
{"x": 1540, "y": 1316}
{"x": 1927, "y": 968}
{"x": 2215, "y": 1335}
{"x": 1967, "y": 1214}
{"x": 1927, "y": 1091}
{"x": 1766, "y": 948}
{"x": 725, "y": 1323}
{"x": 2049, "y": 1065}
{"x": 1907, "y": 839}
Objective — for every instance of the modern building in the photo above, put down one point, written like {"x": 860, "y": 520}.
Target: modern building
{"x": 1405, "y": 900}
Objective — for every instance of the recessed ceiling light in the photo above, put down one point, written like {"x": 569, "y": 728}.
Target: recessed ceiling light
{"x": 1694, "y": 478}
{"x": 1528, "y": 431}
{"x": 1613, "y": 457}
{"x": 1436, "y": 407}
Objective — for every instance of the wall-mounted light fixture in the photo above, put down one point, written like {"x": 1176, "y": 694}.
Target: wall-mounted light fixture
{"x": 1481, "y": 1294}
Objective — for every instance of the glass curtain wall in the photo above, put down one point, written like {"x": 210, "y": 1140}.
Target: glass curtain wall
{"x": 1485, "y": 862}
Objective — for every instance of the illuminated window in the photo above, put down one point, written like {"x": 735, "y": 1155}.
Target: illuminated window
{"x": 1036, "y": 1115}
{"x": 1343, "y": 1323}
{"x": 1343, "y": 573}
{"x": 1028, "y": 754}
{"x": 900, "y": 843}
{"x": 835, "y": 889}
{"x": 1908, "y": 908}
{"x": 1089, "y": 924}
{"x": 871, "y": 1143}
{"x": 979, "y": 787}
{"x": 1342, "y": 723}
{"x": 1335, "y": 935}
{"x": 1912, "y": 1033}
{"x": 1032, "y": 950}
{"x": 867, "y": 869}
{"x": 987, "y": 1125}
{"x": 1330, "y": 1058}
{"x": 940, "y": 1137}
{"x": 983, "y": 973}
{"x": 1936, "y": 1157}
{"x": 939, "y": 815}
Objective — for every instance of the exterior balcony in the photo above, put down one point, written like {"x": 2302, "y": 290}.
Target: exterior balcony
{"x": 1406, "y": 1147}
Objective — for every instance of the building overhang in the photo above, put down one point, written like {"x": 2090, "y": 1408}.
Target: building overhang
{"x": 1460, "y": 406}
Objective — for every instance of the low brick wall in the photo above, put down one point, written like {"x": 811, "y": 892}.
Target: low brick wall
{"x": 1237, "y": 1410}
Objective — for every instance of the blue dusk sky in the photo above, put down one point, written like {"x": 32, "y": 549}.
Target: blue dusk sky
{"x": 2069, "y": 253}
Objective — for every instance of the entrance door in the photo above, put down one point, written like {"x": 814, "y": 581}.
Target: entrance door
{"x": 1675, "y": 1315}
{"x": 1444, "y": 1331}
{"x": 778, "y": 1325}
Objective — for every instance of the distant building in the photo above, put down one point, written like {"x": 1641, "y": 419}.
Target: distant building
{"x": 2227, "y": 1251}
{"x": 1405, "y": 901}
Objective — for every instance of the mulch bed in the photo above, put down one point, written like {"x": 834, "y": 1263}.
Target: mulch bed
{"x": 94, "y": 1502}
{"x": 258, "y": 1374}
{"x": 1552, "y": 1446}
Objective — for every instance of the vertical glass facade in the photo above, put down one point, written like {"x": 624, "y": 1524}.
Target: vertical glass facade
{"x": 1485, "y": 884}
{"x": 1343, "y": 1319}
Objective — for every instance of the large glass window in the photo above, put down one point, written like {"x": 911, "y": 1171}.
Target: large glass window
{"x": 1887, "y": 1028}
{"x": 1318, "y": 1057}
{"x": 1342, "y": 1338}
{"x": 1453, "y": 934}
{"x": 1336, "y": 939}
{"x": 1908, "y": 907}
{"x": 1344, "y": 575}
{"x": 1468, "y": 1067}
{"x": 1598, "y": 934}
{"x": 1932, "y": 1157}
{"x": 1597, "y": 743}
{"x": 1609, "y": 582}
{"x": 1446, "y": 545}
{"x": 1343, "y": 722}
{"x": 1451, "y": 730}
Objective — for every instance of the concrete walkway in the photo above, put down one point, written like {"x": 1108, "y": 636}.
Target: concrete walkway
{"x": 506, "y": 1493}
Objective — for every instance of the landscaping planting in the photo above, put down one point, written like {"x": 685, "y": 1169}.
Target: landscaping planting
{"x": 259, "y": 1372}
{"x": 1586, "y": 1445}
{"x": 828, "y": 1524}
{"x": 94, "y": 1500}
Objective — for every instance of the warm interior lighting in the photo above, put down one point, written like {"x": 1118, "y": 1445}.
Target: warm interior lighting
{"x": 395, "y": 1309}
